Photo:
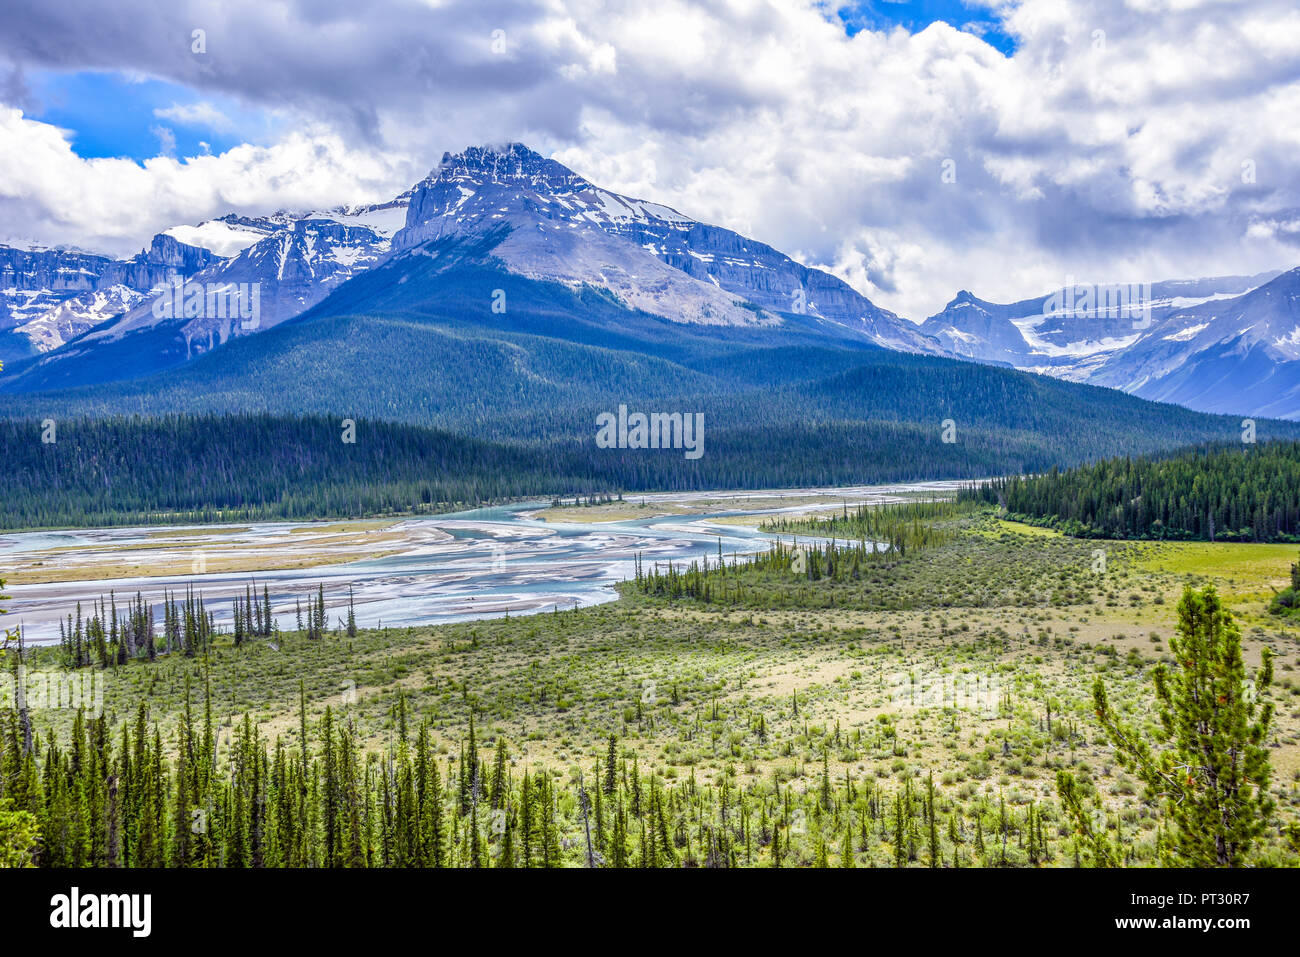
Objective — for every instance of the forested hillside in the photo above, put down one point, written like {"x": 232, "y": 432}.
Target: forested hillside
{"x": 171, "y": 469}
{"x": 439, "y": 357}
{"x": 137, "y": 470}
{"x": 1239, "y": 492}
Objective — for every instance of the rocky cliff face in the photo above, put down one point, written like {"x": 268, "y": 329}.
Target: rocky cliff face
{"x": 53, "y": 295}
{"x": 33, "y": 281}
{"x": 1223, "y": 344}
{"x": 557, "y": 225}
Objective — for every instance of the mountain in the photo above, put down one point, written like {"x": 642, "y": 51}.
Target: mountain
{"x": 293, "y": 268}
{"x": 972, "y": 328}
{"x": 515, "y": 209}
{"x": 36, "y": 280}
{"x": 553, "y": 224}
{"x": 72, "y": 317}
{"x": 229, "y": 235}
{"x": 52, "y": 295}
{"x": 279, "y": 266}
{"x": 1216, "y": 345}
{"x": 1239, "y": 355}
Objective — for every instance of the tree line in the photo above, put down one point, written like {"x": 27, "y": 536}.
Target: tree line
{"x": 179, "y": 469}
{"x": 1219, "y": 492}
{"x": 107, "y": 637}
{"x": 874, "y": 538}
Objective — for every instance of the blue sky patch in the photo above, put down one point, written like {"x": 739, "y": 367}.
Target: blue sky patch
{"x": 916, "y": 15}
{"x": 113, "y": 114}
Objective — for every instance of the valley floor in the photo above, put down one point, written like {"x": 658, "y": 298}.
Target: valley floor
{"x": 966, "y": 668}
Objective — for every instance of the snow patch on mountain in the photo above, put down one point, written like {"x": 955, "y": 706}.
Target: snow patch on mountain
{"x": 652, "y": 257}
{"x": 72, "y": 317}
{"x": 1185, "y": 335}
{"x": 1074, "y": 348}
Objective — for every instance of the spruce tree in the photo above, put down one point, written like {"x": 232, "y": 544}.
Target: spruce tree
{"x": 611, "y": 765}
{"x": 1210, "y": 768}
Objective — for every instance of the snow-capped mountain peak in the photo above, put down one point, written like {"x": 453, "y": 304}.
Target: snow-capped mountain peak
{"x": 552, "y": 223}
{"x": 1225, "y": 344}
{"x": 52, "y": 295}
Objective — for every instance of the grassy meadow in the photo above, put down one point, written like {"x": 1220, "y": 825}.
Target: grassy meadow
{"x": 914, "y": 715}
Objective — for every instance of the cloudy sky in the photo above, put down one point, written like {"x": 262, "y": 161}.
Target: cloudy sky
{"x": 913, "y": 148}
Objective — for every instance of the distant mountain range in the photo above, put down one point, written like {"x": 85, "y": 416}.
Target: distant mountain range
{"x": 71, "y": 320}
{"x": 70, "y": 312}
{"x": 1229, "y": 344}
{"x": 48, "y": 296}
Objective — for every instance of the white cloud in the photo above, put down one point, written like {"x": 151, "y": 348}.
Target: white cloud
{"x": 116, "y": 205}
{"x": 166, "y": 140}
{"x": 196, "y": 114}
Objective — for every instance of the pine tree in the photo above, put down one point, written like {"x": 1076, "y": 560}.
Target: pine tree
{"x": 930, "y": 815}
{"x": 1211, "y": 776}
{"x": 900, "y": 839}
{"x": 611, "y": 766}
{"x": 497, "y": 785}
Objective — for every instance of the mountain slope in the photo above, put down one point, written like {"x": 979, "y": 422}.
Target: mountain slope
{"x": 972, "y": 328}
{"x": 295, "y": 266}
{"x": 53, "y": 295}
{"x": 288, "y": 260}
{"x": 1240, "y": 354}
{"x": 1046, "y": 333}
{"x": 75, "y": 316}
{"x": 561, "y": 227}
{"x": 1223, "y": 345}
